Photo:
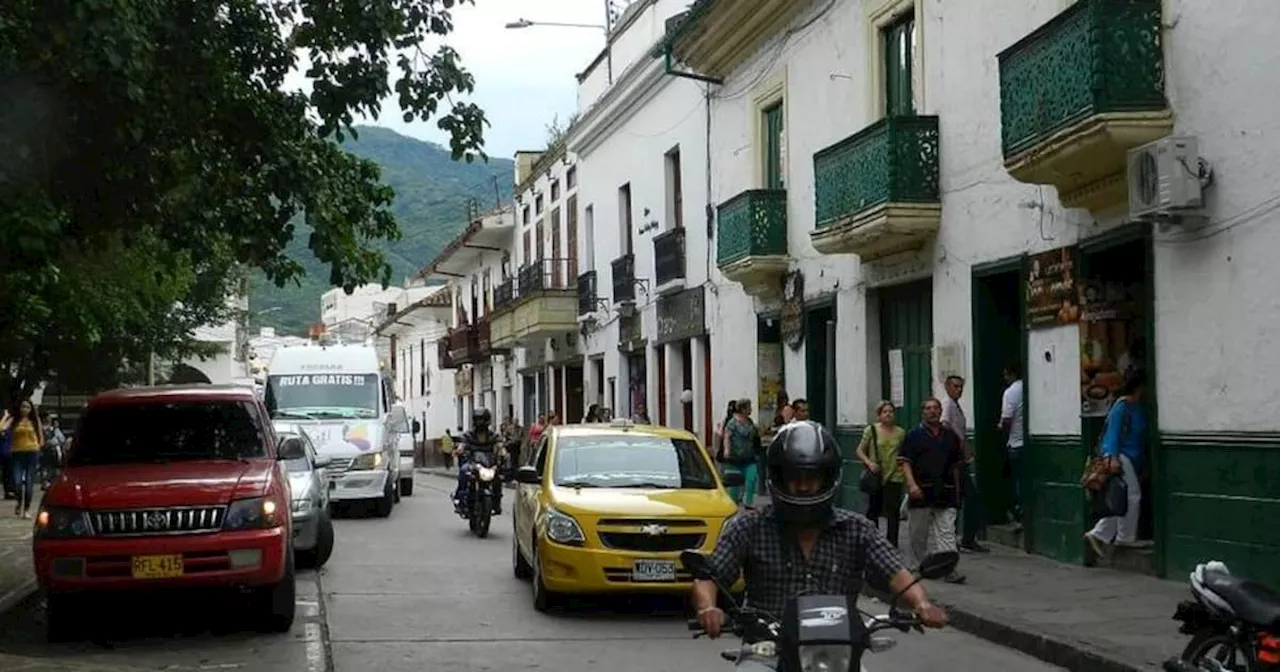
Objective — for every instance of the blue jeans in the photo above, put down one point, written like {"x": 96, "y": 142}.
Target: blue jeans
{"x": 463, "y": 466}
{"x": 24, "y": 468}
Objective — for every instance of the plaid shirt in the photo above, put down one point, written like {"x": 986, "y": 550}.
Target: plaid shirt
{"x": 775, "y": 569}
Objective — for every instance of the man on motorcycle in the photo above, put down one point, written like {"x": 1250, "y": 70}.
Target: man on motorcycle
{"x": 801, "y": 543}
{"x": 481, "y": 437}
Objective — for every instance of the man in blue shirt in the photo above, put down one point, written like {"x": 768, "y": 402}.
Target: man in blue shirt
{"x": 1124, "y": 444}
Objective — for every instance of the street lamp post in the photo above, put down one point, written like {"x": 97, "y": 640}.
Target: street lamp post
{"x": 608, "y": 38}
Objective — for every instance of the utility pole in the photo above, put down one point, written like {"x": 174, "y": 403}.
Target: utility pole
{"x": 497, "y": 193}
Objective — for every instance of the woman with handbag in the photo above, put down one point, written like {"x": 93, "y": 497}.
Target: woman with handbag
{"x": 883, "y": 480}
{"x": 1122, "y": 450}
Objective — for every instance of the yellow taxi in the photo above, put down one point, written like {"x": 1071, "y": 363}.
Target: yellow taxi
{"x": 607, "y": 508}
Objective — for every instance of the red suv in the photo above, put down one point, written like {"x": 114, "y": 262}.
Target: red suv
{"x": 168, "y": 487}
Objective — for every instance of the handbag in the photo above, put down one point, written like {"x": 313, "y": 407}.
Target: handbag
{"x": 871, "y": 482}
{"x": 1097, "y": 470}
{"x": 1111, "y": 500}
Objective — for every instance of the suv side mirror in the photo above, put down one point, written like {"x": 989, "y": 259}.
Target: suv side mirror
{"x": 292, "y": 449}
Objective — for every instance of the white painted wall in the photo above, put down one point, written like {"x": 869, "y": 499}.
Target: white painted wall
{"x": 1216, "y": 303}
{"x": 641, "y": 26}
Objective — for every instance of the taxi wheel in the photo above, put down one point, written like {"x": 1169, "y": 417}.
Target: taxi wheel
{"x": 543, "y": 599}
{"x": 523, "y": 570}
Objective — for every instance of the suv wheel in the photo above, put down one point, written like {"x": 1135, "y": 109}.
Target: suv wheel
{"x": 64, "y": 618}
{"x": 276, "y": 605}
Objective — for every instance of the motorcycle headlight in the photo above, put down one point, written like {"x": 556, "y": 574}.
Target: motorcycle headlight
{"x": 367, "y": 462}
{"x": 563, "y": 529}
{"x": 253, "y": 514}
{"x": 825, "y": 657}
{"x": 487, "y": 473}
{"x": 56, "y": 522}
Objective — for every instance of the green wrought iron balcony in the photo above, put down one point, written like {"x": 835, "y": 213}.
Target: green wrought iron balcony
{"x": 876, "y": 192}
{"x": 1080, "y": 91}
{"x": 751, "y": 241}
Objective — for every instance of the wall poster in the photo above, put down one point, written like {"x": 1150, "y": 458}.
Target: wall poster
{"x": 1052, "y": 296}
{"x": 1112, "y": 338}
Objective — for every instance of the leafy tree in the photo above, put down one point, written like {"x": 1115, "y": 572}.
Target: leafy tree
{"x": 161, "y": 134}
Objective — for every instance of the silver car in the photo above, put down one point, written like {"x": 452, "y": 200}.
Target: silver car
{"x": 309, "y": 484}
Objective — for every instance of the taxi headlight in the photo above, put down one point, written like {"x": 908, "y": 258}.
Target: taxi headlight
{"x": 563, "y": 529}
{"x": 367, "y": 462}
{"x": 825, "y": 657}
{"x": 56, "y": 522}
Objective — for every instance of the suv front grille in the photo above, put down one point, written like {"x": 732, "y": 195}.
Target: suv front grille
{"x": 149, "y": 522}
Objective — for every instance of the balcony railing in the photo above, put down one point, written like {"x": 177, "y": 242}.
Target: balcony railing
{"x": 464, "y": 344}
{"x": 443, "y": 356}
{"x": 668, "y": 256}
{"x": 894, "y": 160}
{"x": 752, "y": 224}
{"x": 504, "y": 293}
{"x": 1098, "y": 56}
{"x": 587, "y": 293}
{"x": 543, "y": 275}
{"x": 624, "y": 278}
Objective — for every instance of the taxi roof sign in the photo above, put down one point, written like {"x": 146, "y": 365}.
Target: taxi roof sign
{"x": 622, "y": 423}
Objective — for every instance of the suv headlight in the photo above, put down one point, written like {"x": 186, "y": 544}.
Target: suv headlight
{"x": 253, "y": 514}
{"x": 367, "y": 462}
{"x": 563, "y": 529}
{"x": 56, "y": 522}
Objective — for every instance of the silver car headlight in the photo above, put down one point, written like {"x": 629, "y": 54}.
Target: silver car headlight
{"x": 301, "y": 505}
{"x": 825, "y": 657}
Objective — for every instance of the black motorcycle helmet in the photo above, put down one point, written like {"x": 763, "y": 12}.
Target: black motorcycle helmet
{"x": 804, "y": 454}
{"x": 481, "y": 418}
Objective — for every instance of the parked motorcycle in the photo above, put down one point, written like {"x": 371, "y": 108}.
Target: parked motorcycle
{"x": 1234, "y": 624}
{"x": 480, "y": 498}
{"x": 816, "y": 632}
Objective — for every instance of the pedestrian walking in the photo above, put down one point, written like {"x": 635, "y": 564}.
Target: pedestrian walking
{"x": 739, "y": 450}
{"x": 931, "y": 459}
{"x": 1124, "y": 446}
{"x": 972, "y": 510}
{"x": 1011, "y": 415}
{"x": 26, "y": 438}
{"x": 878, "y": 451}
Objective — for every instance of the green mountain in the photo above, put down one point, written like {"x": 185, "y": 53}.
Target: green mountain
{"x": 432, "y": 196}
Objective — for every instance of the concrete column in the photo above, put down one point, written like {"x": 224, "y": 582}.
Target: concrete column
{"x": 675, "y": 383}
{"x": 622, "y": 405}
{"x": 589, "y": 383}
{"x": 701, "y": 390}
{"x": 651, "y": 382}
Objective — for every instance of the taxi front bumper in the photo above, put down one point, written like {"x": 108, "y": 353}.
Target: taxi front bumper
{"x": 580, "y": 570}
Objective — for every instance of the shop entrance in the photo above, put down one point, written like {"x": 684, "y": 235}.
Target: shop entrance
{"x": 818, "y": 367}
{"x": 997, "y": 338}
{"x": 1115, "y": 333}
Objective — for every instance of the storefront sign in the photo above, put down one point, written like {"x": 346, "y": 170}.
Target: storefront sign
{"x": 1052, "y": 295}
{"x": 1111, "y": 342}
{"x": 791, "y": 314}
{"x": 681, "y": 316}
{"x": 769, "y": 368}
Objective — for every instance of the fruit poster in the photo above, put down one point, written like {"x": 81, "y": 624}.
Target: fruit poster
{"x": 1052, "y": 297}
{"x": 1111, "y": 341}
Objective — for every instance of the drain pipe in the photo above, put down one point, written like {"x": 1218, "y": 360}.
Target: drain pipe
{"x": 670, "y": 69}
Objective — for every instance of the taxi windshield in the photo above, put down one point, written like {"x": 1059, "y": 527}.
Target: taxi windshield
{"x": 628, "y": 460}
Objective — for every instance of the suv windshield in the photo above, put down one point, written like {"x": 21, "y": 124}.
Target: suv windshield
{"x": 323, "y": 396}
{"x": 151, "y": 432}
{"x": 626, "y": 460}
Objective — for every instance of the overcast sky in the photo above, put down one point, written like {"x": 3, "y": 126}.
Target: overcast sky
{"x": 524, "y": 77}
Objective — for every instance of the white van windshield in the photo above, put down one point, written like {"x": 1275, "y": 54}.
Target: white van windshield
{"x": 320, "y": 396}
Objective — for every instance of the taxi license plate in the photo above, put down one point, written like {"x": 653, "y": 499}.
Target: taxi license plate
{"x": 649, "y": 571}
{"x": 157, "y": 566}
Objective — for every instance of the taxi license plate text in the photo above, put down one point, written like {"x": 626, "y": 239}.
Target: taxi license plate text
{"x": 649, "y": 571}
{"x": 157, "y": 566}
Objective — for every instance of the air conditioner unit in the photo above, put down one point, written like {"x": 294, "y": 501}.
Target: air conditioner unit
{"x": 1164, "y": 178}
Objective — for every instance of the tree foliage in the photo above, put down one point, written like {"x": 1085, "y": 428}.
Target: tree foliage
{"x": 163, "y": 134}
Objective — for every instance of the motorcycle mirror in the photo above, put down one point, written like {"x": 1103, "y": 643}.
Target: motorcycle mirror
{"x": 697, "y": 564}
{"x": 939, "y": 565}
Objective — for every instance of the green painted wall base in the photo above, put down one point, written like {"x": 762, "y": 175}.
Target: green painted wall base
{"x": 1054, "y": 503}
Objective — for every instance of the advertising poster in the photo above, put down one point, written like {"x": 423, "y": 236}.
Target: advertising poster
{"x": 1052, "y": 296}
{"x": 1111, "y": 341}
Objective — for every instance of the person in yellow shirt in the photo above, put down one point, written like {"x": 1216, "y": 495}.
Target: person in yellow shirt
{"x": 26, "y": 437}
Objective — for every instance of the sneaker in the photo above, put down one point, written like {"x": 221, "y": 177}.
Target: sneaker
{"x": 955, "y": 577}
{"x": 1100, "y": 548}
{"x": 974, "y": 547}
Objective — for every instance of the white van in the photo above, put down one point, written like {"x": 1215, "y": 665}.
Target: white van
{"x": 342, "y": 398}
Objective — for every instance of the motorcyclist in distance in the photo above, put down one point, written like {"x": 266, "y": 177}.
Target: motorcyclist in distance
{"x": 480, "y": 437}
{"x": 802, "y": 543}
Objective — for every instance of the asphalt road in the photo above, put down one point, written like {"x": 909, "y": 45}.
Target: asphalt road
{"x": 416, "y": 592}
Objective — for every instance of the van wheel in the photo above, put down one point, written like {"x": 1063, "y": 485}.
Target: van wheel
{"x": 406, "y": 486}
{"x": 316, "y": 557}
{"x": 278, "y": 604}
{"x": 388, "y": 501}
{"x": 64, "y": 618}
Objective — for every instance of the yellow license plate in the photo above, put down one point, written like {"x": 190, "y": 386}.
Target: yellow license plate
{"x": 157, "y": 566}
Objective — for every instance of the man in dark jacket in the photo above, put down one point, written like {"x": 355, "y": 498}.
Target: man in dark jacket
{"x": 481, "y": 437}
{"x": 932, "y": 460}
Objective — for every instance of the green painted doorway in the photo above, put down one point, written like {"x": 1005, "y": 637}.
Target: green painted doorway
{"x": 906, "y": 326}
{"x": 816, "y": 364}
{"x": 997, "y": 338}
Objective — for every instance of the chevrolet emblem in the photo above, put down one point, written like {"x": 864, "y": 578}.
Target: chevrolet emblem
{"x": 654, "y": 530}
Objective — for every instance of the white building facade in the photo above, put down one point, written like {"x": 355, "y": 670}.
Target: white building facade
{"x": 907, "y": 190}
{"x": 411, "y": 335}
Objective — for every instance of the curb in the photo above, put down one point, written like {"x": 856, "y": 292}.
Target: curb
{"x": 18, "y": 595}
{"x": 1072, "y": 656}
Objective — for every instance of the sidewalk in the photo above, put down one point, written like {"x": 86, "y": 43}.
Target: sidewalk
{"x": 17, "y": 580}
{"x": 1083, "y": 619}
